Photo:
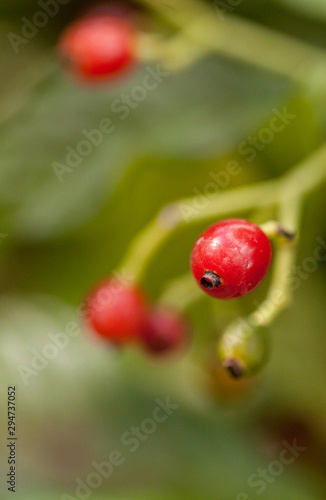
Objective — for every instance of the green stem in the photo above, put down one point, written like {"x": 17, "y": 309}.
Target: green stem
{"x": 245, "y": 40}
{"x": 277, "y": 232}
{"x": 174, "y": 53}
{"x": 187, "y": 211}
{"x": 296, "y": 185}
{"x": 241, "y": 199}
{"x": 303, "y": 179}
{"x": 293, "y": 185}
{"x": 181, "y": 292}
{"x": 279, "y": 295}
{"x": 143, "y": 248}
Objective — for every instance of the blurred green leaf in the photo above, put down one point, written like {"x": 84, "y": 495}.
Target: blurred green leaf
{"x": 85, "y": 398}
{"x": 313, "y": 8}
{"x": 223, "y": 109}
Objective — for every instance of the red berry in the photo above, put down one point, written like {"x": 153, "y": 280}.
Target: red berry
{"x": 231, "y": 258}
{"x": 165, "y": 330}
{"x": 96, "y": 48}
{"x": 116, "y": 311}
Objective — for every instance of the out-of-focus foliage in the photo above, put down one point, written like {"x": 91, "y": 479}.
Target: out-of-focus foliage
{"x": 62, "y": 236}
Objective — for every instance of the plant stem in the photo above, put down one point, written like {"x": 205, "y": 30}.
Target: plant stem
{"x": 303, "y": 179}
{"x": 293, "y": 185}
{"x": 143, "y": 248}
{"x": 174, "y": 54}
{"x": 279, "y": 295}
{"x": 275, "y": 231}
{"x": 241, "y": 199}
{"x": 245, "y": 40}
{"x": 260, "y": 46}
{"x": 186, "y": 211}
{"x": 181, "y": 292}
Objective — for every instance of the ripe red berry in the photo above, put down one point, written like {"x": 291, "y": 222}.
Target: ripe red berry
{"x": 116, "y": 311}
{"x": 95, "y": 48}
{"x": 165, "y": 330}
{"x": 231, "y": 258}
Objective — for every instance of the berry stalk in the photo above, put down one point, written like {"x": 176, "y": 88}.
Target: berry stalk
{"x": 172, "y": 217}
{"x": 293, "y": 185}
{"x": 279, "y": 295}
{"x": 246, "y": 41}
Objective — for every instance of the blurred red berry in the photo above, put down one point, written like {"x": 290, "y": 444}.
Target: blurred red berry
{"x": 116, "y": 311}
{"x": 96, "y": 48}
{"x": 165, "y": 330}
{"x": 231, "y": 258}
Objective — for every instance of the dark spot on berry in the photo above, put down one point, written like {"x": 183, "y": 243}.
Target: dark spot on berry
{"x": 234, "y": 367}
{"x": 210, "y": 280}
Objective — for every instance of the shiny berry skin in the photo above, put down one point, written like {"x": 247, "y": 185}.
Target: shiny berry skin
{"x": 165, "y": 331}
{"x": 96, "y": 48}
{"x": 115, "y": 311}
{"x": 231, "y": 258}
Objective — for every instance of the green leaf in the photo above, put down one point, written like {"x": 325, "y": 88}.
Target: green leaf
{"x": 84, "y": 398}
{"x": 313, "y": 8}
{"x": 56, "y": 115}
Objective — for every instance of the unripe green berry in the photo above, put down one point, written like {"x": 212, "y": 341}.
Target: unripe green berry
{"x": 243, "y": 348}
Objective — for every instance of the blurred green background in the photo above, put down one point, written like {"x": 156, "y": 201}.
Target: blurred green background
{"x": 58, "y": 238}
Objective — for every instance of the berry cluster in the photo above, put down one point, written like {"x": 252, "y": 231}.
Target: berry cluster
{"x": 122, "y": 314}
{"x": 228, "y": 260}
